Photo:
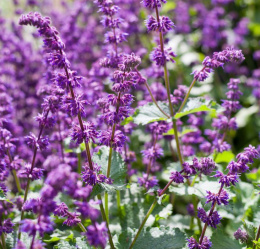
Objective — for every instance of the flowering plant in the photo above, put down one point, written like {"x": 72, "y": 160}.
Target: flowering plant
{"x": 116, "y": 133}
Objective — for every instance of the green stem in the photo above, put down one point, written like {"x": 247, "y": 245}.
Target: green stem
{"x": 24, "y": 200}
{"x": 257, "y": 236}
{"x": 148, "y": 213}
{"x": 83, "y": 229}
{"x": 118, "y": 200}
{"x": 188, "y": 93}
{"x": 3, "y": 241}
{"x": 106, "y": 206}
{"x": 109, "y": 160}
{"x": 143, "y": 223}
{"x": 154, "y": 100}
{"x": 177, "y": 142}
{"x": 105, "y": 219}
{"x": 17, "y": 181}
{"x": 79, "y": 163}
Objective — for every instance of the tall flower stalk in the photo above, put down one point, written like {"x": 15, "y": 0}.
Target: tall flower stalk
{"x": 73, "y": 103}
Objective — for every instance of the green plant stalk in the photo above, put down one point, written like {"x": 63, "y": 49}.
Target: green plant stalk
{"x": 105, "y": 219}
{"x": 106, "y": 206}
{"x": 143, "y": 223}
{"x": 154, "y": 100}
{"x": 24, "y": 200}
{"x": 148, "y": 214}
{"x": 83, "y": 229}
{"x": 188, "y": 93}
{"x": 17, "y": 181}
{"x": 79, "y": 163}
{"x": 3, "y": 241}
{"x": 210, "y": 213}
{"x": 257, "y": 237}
{"x": 118, "y": 200}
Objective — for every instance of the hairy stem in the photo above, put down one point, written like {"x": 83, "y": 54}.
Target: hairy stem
{"x": 166, "y": 77}
{"x": 210, "y": 213}
{"x": 188, "y": 93}
{"x": 143, "y": 223}
{"x": 17, "y": 181}
{"x": 83, "y": 229}
{"x": 3, "y": 241}
{"x": 154, "y": 100}
{"x": 148, "y": 214}
{"x": 106, "y": 206}
{"x": 105, "y": 219}
{"x": 257, "y": 237}
{"x": 118, "y": 200}
{"x": 31, "y": 247}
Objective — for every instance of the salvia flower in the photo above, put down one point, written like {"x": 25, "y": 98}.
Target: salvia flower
{"x": 241, "y": 235}
{"x": 93, "y": 177}
{"x": 72, "y": 220}
{"x": 61, "y": 210}
{"x": 152, "y": 4}
{"x": 164, "y": 24}
{"x": 39, "y": 143}
{"x": 193, "y": 244}
{"x": 89, "y": 133}
{"x": 97, "y": 234}
{"x": 160, "y": 58}
{"x": 177, "y": 177}
{"x": 213, "y": 220}
{"x": 147, "y": 182}
{"x": 33, "y": 174}
{"x": 118, "y": 140}
{"x": 153, "y": 153}
{"x": 227, "y": 180}
{"x": 74, "y": 106}
{"x": 219, "y": 198}
{"x": 7, "y": 226}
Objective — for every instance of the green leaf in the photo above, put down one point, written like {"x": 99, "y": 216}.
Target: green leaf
{"x": 80, "y": 243}
{"x": 253, "y": 176}
{"x": 222, "y": 241}
{"x": 250, "y": 230}
{"x": 224, "y": 157}
{"x": 11, "y": 239}
{"x": 199, "y": 189}
{"x": 255, "y": 28}
{"x": 3, "y": 196}
{"x": 117, "y": 172}
{"x": 127, "y": 121}
{"x": 150, "y": 113}
{"x": 156, "y": 237}
{"x": 65, "y": 245}
{"x": 198, "y": 105}
{"x": 135, "y": 205}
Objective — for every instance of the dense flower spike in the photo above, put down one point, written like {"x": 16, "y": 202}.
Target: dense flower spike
{"x": 218, "y": 60}
{"x": 93, "y": 177}
{"x": 88, "y": 133}
{"x": 64, "y": 138}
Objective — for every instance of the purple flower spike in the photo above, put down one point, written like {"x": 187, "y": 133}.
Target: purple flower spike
{"x": 61, "y": 210}
{"x": 221, "y": 198}
{"x": 193, "y": 244}
{"x": 92, "y": 177}
{"x": 89, "y": 133}
{"x": 177, "y": 177}
{"x": 97, "y": 234}
{"x": 152, "y": 4}
{"x": 241, "y": 235}
{"x": 227, "y": 180}
{"x": 72, "y": 220}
